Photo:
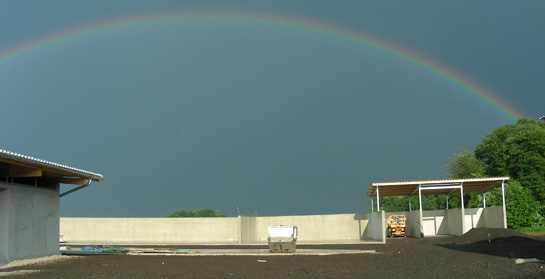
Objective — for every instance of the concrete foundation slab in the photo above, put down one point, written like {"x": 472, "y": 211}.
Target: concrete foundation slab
{"x": 239, "y": 252}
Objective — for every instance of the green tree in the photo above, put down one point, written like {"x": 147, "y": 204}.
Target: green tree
{"x": 464, "y": 165}
{"x": 518, "y": 151}
{"x": 181, "y": 213}
{"x": 401, "y": 203}
{"x": 522, "y": 209}
{"x": 391, "y": 204}
{"x": 205, "y": 212}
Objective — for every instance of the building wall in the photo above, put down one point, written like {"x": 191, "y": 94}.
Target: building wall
{"x": 29, "y": 222}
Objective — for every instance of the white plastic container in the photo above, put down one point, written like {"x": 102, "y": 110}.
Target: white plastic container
{"x": 282, "y": 239}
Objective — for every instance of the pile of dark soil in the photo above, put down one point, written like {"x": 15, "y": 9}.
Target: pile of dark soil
{"x": 491, "y": 235}
{"x": 504, "y": 243}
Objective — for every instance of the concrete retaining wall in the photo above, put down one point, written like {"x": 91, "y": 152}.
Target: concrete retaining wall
{"x": 375, "y": 229}
{"x": 314, "y": 228}
{"x": 449, "y": 222}
{"x": 414, "y": 223}
{"x": 150, "y": 230}
{"x": 454, "y": 218}
{"x": 228, "y": 230}
{"x": 29, "y": 222}
{"x": 248, "y": 230}
{"x": 474, "y": 218}
{"x": 493, "y": 217}
{"x": 253, "y": 230}
{"x": 435, "y": 222}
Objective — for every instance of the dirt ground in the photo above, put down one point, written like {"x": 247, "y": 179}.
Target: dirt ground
{"x": 480, "y": 253}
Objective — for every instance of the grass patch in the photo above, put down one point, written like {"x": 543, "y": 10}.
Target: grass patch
{"x": 532, "y": 229}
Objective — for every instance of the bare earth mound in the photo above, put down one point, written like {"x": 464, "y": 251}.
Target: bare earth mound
{"x": 491, "y": 235}
{"x": 471, "y": 255}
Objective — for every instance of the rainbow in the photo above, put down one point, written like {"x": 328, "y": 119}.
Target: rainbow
{"x": 411, "y": 59}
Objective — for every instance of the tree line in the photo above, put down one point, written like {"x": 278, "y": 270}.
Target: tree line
{"x": 514, "y": 150}
{"x": 205, "y": 212}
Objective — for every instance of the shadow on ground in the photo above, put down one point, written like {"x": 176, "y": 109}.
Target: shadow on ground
{"x": 498, "y": 242}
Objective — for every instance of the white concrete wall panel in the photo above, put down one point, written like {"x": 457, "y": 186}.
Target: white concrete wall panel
{"x": 493, "y": 217}
{"x": 473, "y": 218}
{"x": 150, "y": 230}
{"x": 435, "y": 222}
{"x": 251, "y": 230}
{"x": 312, "y": 228}
{"x": 376, "y": 227}
{"x": 4, "y": 221}
{"x": 248, "y": 232}
{"x": 414, "y": 226}
{"x": 454, "y": 217}
{"x": 29, "y": 222}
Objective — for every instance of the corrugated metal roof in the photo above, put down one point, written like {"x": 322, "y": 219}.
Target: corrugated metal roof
{"x": 405, "y": 188}
{"x": 50, "y": 165}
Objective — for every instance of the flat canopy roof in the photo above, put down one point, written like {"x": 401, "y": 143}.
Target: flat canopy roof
{"x": 434, "y": 187}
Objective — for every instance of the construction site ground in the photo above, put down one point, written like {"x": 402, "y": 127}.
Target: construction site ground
{"x": 480, "y": 253}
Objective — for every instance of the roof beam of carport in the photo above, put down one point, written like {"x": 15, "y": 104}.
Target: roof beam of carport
{"x": 405, "y": 188}
{"x": 74, "y": 181}
{"x": 424, "y": 188}
{"x": 21, "y": 171}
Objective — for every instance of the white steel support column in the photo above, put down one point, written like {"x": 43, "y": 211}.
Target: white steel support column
{"x": 462, "y": 195}
{"x": 420, "y": 196}
{"x": 448, "y": 194}
{"x": 378, "y": 201}
{"x": 411, "y": 197}
{"x": 421, "y": 214}
{"x": 463, "y": 209}
{"x": 372, "y": 204}
{"x": 484, "y": 200}
{"x": 503, "y": 198}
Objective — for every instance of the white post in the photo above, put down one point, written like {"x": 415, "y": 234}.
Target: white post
{"x": 378, "y": 201}
{"x": 372, "y": 204}
{"x": 447, "y": 200}
{"x": 420, "y": 196}
{"x": 410, "y": 205}
{"x": 504, "y": 210}
{"x": 484, "y": 200}
{"x": 463, "y": 209}
{"x": 462, "y": 194}
{"x": 421, "y": 219}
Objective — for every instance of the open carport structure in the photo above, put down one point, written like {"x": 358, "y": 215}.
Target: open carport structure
{"x": 449, "y": 221}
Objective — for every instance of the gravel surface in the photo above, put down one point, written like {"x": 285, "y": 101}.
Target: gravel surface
{"x": 480, "y": 253}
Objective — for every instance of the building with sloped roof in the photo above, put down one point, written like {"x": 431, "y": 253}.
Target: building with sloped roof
{"x": 30, "y": 203}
